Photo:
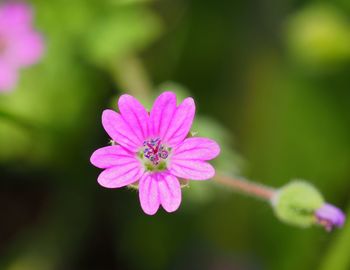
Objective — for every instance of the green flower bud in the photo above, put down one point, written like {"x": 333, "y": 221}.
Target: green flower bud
{"x": 296, "y": 203}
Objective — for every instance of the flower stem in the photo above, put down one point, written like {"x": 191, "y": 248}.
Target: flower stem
{"x": 18, "y": 120}
{"x": 248, "y": 187}
{"x": 132, "y": 76}
{"x": 26, "y": 123}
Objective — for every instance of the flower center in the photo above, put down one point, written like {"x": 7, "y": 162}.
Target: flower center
{"x": 154, "y": 154}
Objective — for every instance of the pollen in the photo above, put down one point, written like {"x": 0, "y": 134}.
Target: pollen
{"x": 155, "y": 151}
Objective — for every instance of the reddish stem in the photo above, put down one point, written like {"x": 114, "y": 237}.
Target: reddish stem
{"x": 245, "y": 186}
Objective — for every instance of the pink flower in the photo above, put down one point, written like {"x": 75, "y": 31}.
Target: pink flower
{"x": 20, "y": 45}
{"x": 153, "y": 150}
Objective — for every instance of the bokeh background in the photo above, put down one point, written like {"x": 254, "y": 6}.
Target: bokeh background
{"x": 271, "y": 83}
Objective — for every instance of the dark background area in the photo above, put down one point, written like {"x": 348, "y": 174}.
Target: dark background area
{"x": 271, "y": 84}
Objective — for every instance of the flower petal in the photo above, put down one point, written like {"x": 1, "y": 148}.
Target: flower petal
{"x": 196, "y": 148}
{"x": 134, "y": 115}
{"x": 15, "y": 16}
{"x": 169, "y": 191}
{"x": 110, "y": 156}
{"x": 8, "y": 77}
{"x": 25, "y": 49}
{"x": 121, "y": 175}
{"x": 192, "y": 169}
{"x": 119, "y": 131}
{"x": 148, "y": 194}
{"x": 162, "y": 114}
{"x": 181, "y": 122}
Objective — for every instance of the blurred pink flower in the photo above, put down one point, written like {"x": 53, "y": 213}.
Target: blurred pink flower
{"x": 153, "y": 150}
{"x": 330, "y": 216}
{"x": 20, "y": 44}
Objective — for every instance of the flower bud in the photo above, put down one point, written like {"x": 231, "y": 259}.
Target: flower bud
{"x": 300, "y": 203}
{"x": 296, "y": 203}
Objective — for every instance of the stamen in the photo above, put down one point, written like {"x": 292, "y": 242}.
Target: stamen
{"x": 155, "y": 151}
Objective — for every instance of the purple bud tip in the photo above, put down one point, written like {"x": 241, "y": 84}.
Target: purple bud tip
{"x": 330, "y": 216}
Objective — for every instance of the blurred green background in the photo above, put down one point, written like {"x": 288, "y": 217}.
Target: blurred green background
{"x": 271, "y": 83}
